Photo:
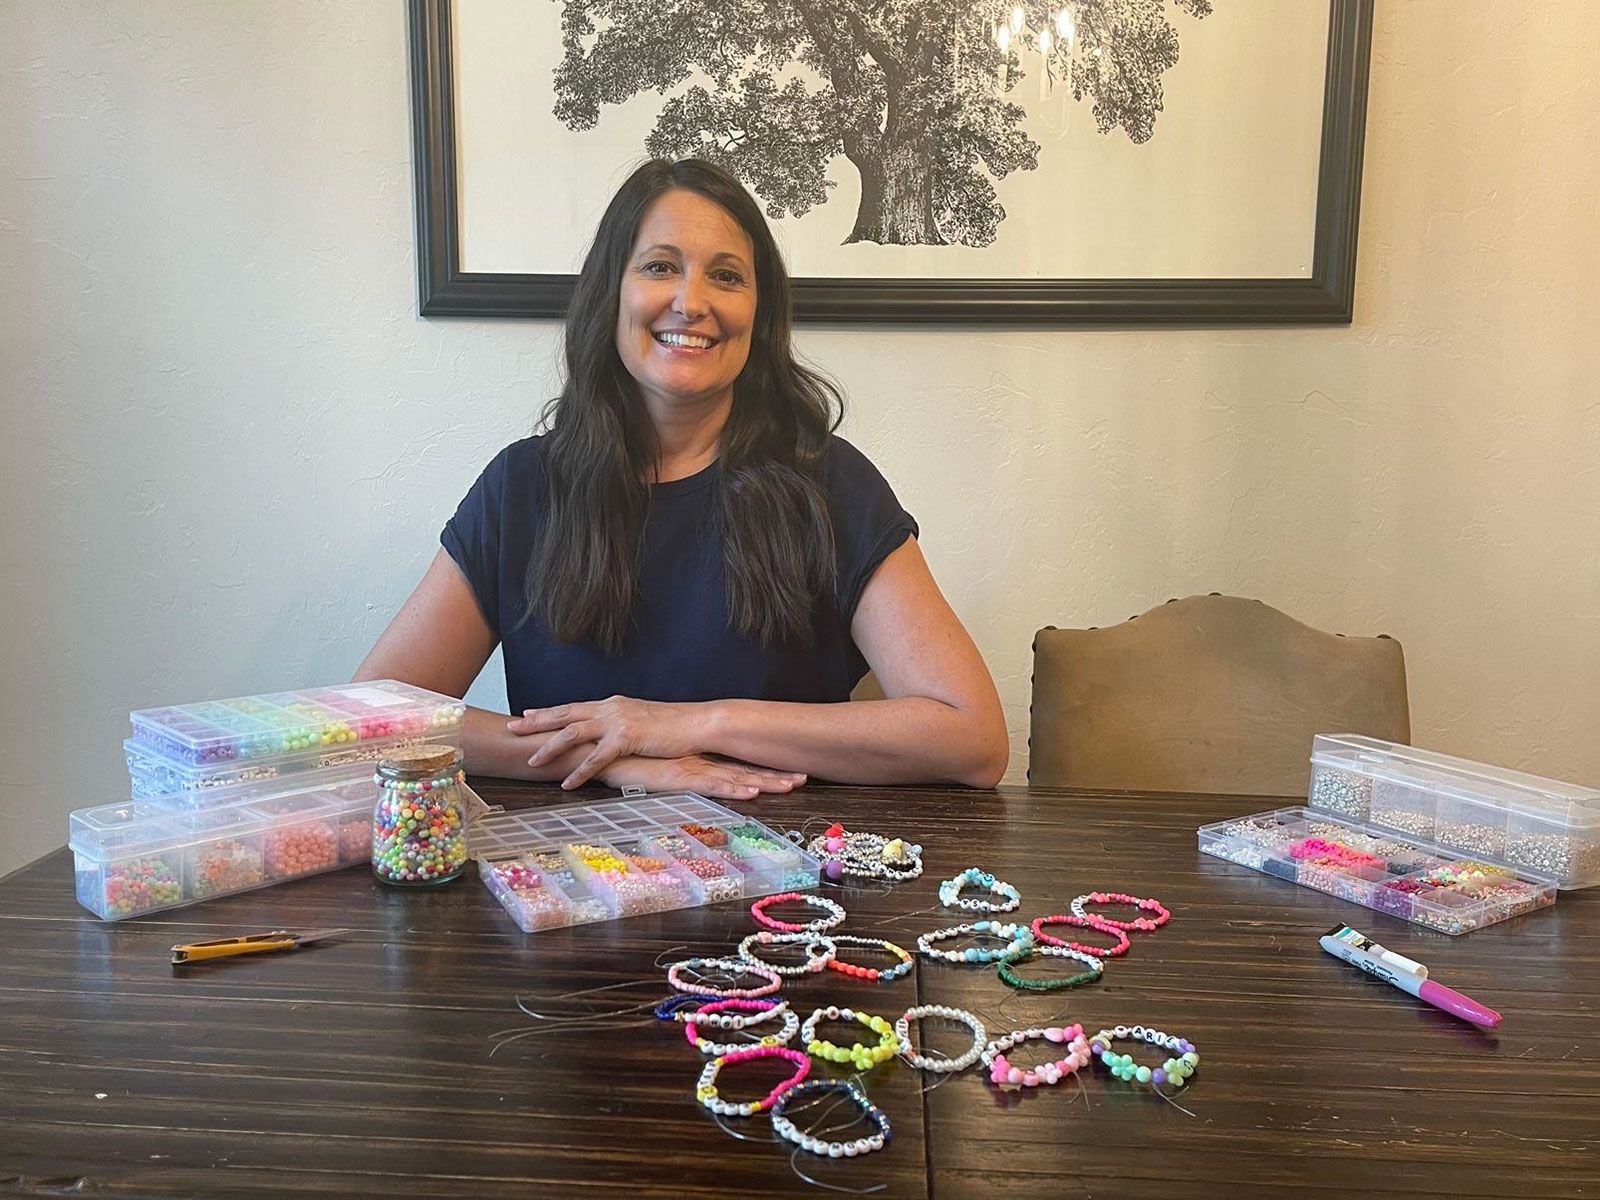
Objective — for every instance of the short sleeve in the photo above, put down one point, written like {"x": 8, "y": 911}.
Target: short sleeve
{"x": 868, "y": 522}
{"x": 473, "y": 537}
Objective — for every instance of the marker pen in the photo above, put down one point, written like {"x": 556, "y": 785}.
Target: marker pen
{"x": 1409, "y": 976}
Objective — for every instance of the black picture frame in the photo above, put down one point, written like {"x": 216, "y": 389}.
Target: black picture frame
{"x": 1327, "y": 296}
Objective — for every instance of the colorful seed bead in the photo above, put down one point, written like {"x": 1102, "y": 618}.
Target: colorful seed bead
{"x": 859, "y": 1055}
{"x": 139, "y": 885}
{"x": 1174, "y": 1071}
{"x": 1048, "y": 1074}
{"x": 1009, "y": 976}
{"x": 517, "y": 877}
{"x": 1143, "y": 924}
{"x": 720, "y": 884}
{"x": 708, "y": 835}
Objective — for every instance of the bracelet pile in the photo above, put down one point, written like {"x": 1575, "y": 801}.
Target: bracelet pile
{"x": 865, "y": 855}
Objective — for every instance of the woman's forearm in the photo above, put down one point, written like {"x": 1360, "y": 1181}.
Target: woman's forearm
{"x": 492, "y": 749}
{"x": 908, "y": 740}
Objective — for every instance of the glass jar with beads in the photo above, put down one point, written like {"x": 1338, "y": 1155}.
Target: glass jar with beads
{"x": 418, "y": 824}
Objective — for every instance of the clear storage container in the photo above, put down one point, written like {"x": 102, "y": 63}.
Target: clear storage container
{"x": 1426, "y": 884}
{"x": 1540, "y": 825}
{"x": 144, "y": 855}
{"x": 551, "y": 867}
{"x": 307, "y": 724}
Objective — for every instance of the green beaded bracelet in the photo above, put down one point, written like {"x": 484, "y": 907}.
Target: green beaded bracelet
{"x": 1009, "y": 976}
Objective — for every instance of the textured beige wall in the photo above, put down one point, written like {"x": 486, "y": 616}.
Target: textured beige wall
{"x": 229, "y": 442}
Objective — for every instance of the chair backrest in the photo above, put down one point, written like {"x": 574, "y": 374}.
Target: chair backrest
{"x": 1205, "y": 694}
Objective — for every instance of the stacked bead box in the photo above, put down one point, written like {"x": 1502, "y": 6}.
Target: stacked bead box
{"x": 553, "y": 867}
{"x": 188, "y": 748}
{"x": 1539, "y": 825}
{"x": 1426, "y": 884}
{"x": 145, "y": 855}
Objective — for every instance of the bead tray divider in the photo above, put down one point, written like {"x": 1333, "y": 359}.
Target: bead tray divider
{"x": 538, "y": 862}
{"x": 1543, "y": 826}
{"x": 1416, "y": 881}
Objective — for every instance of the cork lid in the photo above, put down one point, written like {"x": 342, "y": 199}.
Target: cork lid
{"x": 419, "y": 760}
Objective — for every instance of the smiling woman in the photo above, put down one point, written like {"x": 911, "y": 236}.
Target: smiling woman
{"x": 689, "y": 571}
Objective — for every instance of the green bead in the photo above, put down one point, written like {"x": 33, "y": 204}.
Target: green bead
{"x": 1192, "y": 1059}
{"x": 1144, "y": 1074}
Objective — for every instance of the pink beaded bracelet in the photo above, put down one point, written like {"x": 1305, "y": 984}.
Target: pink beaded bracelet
{"x": 732, "y": 967}
{"x": 1002, "y": 1072}
{"x": 1143, "y": 924}
{"x": 1097, "y": 923}
{"x": 710, "y": 1014}
{"x": 706, "y": 1090}
{"x": 834, "y": 909}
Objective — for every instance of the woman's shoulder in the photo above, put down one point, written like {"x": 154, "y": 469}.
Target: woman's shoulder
{"x": 517, "y": 465}
{"x": 847, "y": 472}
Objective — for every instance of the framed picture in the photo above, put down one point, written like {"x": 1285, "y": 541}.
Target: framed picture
{"x": 1127, "y": 162}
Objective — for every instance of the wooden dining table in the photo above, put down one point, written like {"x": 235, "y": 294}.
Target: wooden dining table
{"x": 435, "y": 1049}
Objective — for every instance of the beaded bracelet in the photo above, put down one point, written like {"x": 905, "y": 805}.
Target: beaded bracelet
{"x": 819, "y": 951}
{"x": 1174, "y": 1071}
{"x": 1009, "y": 975}
{"x": 881, "y": 975}
{"x": 1145, "y": 924}
{"x": 706, "y": 1090}
{"x": 791, "y": 1026}
{"x": 950, "y": 892}
{"x": 862, "y": 1057}
{"x": 834, "y": 909}
{"x": 731, "y": 966}
{"x": 1095, "y": 923}
{"x": 783, "y": 1127}
{"x": 671, "y": 1008}
{"x": 865, "y": 855}
{"x": 1002, "y": 1072}
{"x": 1021, "y": 939}
{"x": 902, "y": 1030}
{"x": 722, "y": 1013}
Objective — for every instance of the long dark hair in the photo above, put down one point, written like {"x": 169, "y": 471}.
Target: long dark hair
{"x": 601, "y": 449}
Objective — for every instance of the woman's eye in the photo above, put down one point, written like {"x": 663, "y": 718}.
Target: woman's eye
{"x": 730, "y": 277}
{"x": 658, "y": 267}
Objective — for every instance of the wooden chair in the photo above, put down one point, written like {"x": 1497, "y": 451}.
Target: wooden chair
{"x": 1205, "y": 694}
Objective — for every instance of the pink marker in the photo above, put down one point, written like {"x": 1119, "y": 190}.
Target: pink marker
{"x": 1406, "y": 974}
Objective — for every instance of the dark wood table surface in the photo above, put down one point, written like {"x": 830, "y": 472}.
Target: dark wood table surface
{"x": 363, "y": 1067}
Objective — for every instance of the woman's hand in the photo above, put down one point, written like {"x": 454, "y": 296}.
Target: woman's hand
{"x": 618, "y": 727}
{"x": 712, "y": 778}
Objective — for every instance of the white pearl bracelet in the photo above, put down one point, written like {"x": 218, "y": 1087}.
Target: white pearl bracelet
{"x": 819, "y": 951}
{"x": 902, "y": 1029}
{"x": 729, "y": 1020}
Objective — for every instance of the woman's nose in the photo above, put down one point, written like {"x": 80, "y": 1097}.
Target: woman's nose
{"x": 690, "y": 300}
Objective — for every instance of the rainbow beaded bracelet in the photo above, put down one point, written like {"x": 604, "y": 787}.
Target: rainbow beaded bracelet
{"x": 880, "y": 974}
{"x": 862, "y": 1057}
{"x": 1174, "y": 1071}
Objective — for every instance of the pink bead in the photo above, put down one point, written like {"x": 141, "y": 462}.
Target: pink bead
{"x": 1029, "y": 1079}
{"x": 1055, "y": 1034}
{"x": 835, "y": 844}
{"x": 1013, "y": 1076}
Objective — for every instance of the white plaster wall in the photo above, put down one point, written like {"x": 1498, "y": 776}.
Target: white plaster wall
{"x": 229, "y": 442}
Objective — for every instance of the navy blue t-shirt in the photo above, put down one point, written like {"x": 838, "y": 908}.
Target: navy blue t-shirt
{"x": 682, "y": 647}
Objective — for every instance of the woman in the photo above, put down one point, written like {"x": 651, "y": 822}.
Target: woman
{"x": 689, "y": 568}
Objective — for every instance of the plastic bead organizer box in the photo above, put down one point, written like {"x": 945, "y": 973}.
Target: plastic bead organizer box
{"x": 552, "y": 867}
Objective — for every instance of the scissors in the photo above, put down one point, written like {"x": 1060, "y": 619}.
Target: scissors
{"x": 256, "y": 943}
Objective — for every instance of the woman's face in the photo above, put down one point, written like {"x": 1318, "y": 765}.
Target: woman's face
{"x": 688, "y": 301}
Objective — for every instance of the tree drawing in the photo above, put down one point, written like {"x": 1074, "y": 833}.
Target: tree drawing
{"x": 914, "y": 93}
